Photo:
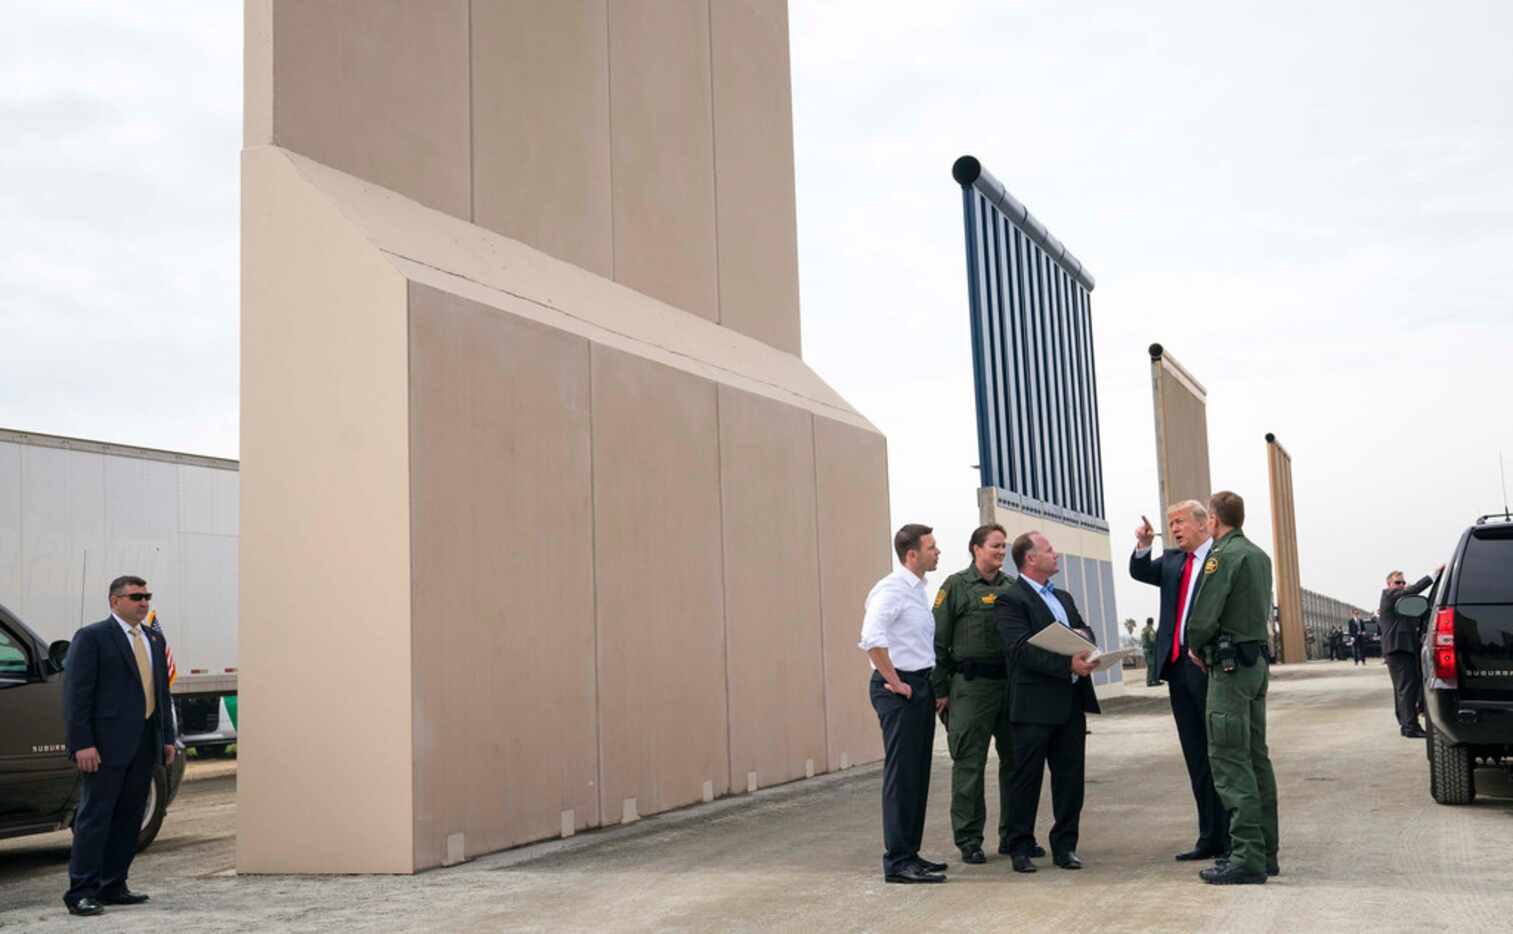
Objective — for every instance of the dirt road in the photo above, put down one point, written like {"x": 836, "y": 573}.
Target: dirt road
{"x": 1363, "y": 849}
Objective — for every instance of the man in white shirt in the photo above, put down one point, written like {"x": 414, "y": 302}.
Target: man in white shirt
{"x": 1177, "y": 573}
{"x": 898, "y": 635}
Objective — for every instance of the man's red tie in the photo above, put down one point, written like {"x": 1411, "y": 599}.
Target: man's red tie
{"x": 1187, "y": 577}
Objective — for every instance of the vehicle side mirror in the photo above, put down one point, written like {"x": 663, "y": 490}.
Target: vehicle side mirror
{"x": 57, "y": 653}
{"x": 1412, "y": 606}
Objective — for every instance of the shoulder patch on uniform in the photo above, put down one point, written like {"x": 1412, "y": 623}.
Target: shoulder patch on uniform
{"x": 1211, "y": 565}
{"x": 990, "y": 599}
{"x": 940, "y": 597}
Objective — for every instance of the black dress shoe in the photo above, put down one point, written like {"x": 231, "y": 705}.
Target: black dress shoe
{"x": 1069, "y": 861}
{"x": 1036, "y": 850}
{"x": 85, "y": 906}
{"x": 928, "y": 866}
{"x": 973, "y": 855}
{"x": 1414, "y": 732}
{"x": 1022, "y": 863}
{"x": 1228, "y": 874}
{"x": 1196, "y": 853}
{"x": 123, "y": 897}
{"x": 912, "y": 874}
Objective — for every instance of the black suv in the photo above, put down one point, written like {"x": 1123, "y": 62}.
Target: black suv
{"x": 1467, "y": 659}
{"x": 39, "y": 786}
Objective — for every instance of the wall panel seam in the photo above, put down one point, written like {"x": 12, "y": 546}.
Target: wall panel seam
{"x": 472, "y": 145}
{"x": 714, "y": 167}
{"x": 593, "y": 538}
{"x": 609, "y": 79}
{"x": 819, "y": 580}
{"x": 719, "y": 453}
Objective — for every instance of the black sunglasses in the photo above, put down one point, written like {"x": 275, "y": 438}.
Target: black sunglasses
{"x": 136, "y": 597}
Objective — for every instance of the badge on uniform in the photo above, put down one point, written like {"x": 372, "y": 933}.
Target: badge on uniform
{"x": 940, "y": 597}
{"x": 1211, "y": 565}
{"x": 990, "y": 599}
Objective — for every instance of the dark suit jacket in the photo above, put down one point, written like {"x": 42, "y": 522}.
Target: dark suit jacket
{"x": 1040, "y": 682}
{"x": 1165, "y": 572}
{"x": 102, "y": 693}
{"x": 1399, "y": 634}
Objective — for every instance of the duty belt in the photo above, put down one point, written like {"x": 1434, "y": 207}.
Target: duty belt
{"x": 996, "y": 669}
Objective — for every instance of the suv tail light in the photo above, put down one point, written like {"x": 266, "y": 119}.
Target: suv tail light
{"x": 1444, "y": 646}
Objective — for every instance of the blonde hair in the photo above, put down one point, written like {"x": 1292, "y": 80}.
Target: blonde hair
{"x": 1392, "y": 574}
{"x": 1198, "y": 511}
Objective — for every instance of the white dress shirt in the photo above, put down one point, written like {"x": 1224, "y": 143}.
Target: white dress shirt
{"x": 146, "y": 646}
{"x": 1199, "y": 556}
{"x": 898, "y": 619}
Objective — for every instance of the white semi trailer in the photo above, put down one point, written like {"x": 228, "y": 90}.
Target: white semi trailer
{"x": 75, "y": 514}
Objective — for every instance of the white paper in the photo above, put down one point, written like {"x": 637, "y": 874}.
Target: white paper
{"x": 1063, "y": 641}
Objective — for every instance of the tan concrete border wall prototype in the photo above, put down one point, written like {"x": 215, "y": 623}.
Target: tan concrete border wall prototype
{"x": 545, "y": 524}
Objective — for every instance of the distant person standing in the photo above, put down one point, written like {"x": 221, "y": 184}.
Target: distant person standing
{"x": 1357, "y": 639}
{"x": 1400, "y": 642}
{"x": 116, "y": 707}
{"x": 898, "y": 635}
{"x": 1148, "y": 646}
{"x": 1227, "y": 632}
{"x": 971, "y": 688}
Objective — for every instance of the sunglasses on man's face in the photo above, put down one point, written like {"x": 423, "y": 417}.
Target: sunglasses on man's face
{"x": 136, "y": 597}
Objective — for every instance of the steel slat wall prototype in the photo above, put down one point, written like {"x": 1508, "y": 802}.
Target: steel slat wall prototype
{"x": 1035, "y": 379}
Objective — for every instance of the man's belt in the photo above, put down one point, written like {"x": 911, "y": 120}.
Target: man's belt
{"x": 996, "y": 669}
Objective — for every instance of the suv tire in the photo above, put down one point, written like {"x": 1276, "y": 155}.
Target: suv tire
{"x": 157, "y": 809}
{"x": 1451, "y": 780}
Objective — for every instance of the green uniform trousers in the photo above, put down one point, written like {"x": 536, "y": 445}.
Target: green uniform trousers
{"x": 1241, "y": 764}
{"x": 1150, "y": 668}
{"x": 978, "y": 713}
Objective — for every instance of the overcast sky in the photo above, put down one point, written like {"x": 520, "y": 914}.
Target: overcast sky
{"x": 1310, "y": 205}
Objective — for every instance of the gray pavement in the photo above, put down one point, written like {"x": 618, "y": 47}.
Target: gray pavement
{"x": 1364, "y": 848}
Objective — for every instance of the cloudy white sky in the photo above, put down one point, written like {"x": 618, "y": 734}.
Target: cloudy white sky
{"x": 1309, "y": 204}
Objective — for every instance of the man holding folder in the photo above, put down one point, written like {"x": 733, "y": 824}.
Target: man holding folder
{"x": 1050, "y": 695}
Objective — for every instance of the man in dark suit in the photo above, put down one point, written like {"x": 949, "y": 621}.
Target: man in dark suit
{"x": 120, "y": 727}
{"x": 1400, "y": 641}
{"x": 1357, "y": 639}
{"x": 1177, "y": 573}
{"x": 1050, "y": 696}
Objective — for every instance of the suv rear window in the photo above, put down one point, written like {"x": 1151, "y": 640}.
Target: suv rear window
{"x": 1486, "y": 569}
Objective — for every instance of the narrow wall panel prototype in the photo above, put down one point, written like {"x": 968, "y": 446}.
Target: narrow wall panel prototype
{"x": 1288, "y": 593}
{"x": 772, "y": 590}
{"x": 754, "y": 175}
{"x": 659, "y": 583}
{"x": 1181, "y": 406}
{"x": 662, "y": 120}
{"x": 503, "y": 623}
{"x": 540, "y": 102}
{"x": 855, "y": 539}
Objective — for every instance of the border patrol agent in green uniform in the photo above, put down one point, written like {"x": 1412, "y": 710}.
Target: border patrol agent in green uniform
{"x": 970, "y": 678}
{"x": 1148, "y": 647}
{"x": 1227, "y": 630}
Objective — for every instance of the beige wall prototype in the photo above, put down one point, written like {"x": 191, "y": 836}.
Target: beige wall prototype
{"x": 1181, "y": 405}
{"x": 1284, "y": 537}
{"x": 555, "y": 552}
